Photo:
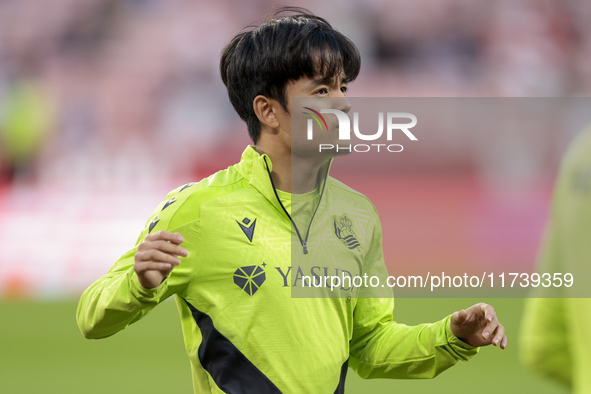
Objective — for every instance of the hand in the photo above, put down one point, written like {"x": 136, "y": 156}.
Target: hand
{"x": 478, "y": 326}
{"x": 157, "y": 256}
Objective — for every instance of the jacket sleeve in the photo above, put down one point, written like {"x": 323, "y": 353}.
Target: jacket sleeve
{"x": 383, "y": 348}
{"x": 544, "y": 343}
{"x": 545, "y": 337}
{"x": 117, "y": 299}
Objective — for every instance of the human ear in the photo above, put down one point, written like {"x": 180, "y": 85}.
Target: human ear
{"x": 264, "y": 109}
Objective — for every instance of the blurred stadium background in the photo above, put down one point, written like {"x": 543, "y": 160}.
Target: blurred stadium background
{"x": 106, "y": 105}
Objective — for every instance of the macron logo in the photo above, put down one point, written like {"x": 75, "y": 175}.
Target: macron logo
{"x": 247, "y": 227}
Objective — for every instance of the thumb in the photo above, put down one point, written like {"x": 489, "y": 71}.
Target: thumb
{"x": 459, "y": 317}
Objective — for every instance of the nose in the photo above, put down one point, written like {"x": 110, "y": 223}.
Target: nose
{"x": 342, "y": 104}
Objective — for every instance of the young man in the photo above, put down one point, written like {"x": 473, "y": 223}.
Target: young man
{"x": 243, "y": 330}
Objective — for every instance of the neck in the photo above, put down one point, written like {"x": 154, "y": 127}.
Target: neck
{"x": 297, "y": 177}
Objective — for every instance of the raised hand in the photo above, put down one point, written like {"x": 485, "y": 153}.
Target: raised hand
{"x": 157, "y": 256}
{"x": 478, "y": 326}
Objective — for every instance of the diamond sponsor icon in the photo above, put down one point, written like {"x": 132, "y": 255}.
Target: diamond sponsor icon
{"x": 250, "y": 278}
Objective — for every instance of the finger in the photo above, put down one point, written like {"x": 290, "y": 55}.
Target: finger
{"x": 164, "y": 246}
{"x": 145, "y": 266}
{"x": 490, "y": 327}
{"x": 504, "y": 342}
{"x": 157, "y": 256}
{"x": 488, "y": 311}
{"x": 459, "y": 317}
{"x": 499, "y": 335}
{"x": 175, "y": 238}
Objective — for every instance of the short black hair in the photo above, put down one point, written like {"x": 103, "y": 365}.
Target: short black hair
{"x": 263, "y": 59}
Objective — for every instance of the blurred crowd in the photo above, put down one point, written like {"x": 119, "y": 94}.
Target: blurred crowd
{"x": 119, "y": 91}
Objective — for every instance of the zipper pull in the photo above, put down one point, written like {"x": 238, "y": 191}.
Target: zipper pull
{"x": 305, "y": 245}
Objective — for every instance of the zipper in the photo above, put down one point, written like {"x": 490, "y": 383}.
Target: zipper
{"x": 303, "y": 242}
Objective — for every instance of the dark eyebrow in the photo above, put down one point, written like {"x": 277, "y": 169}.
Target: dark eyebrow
{"x": 327, "y": 80}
